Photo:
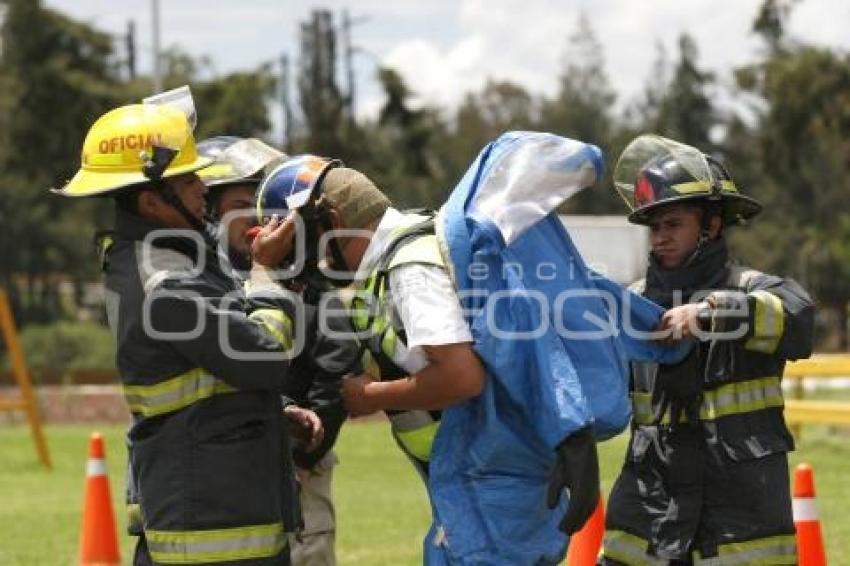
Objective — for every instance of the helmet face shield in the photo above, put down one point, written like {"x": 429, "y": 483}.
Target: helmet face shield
{"x": 653, "y": 171}
{"x": 179, "y": 98}
{"x": 236, "y": 160}
{"x": 180, "y": 105}
{"x": 652, "y": 168}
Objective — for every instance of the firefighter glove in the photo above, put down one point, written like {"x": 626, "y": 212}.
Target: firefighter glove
{"x": 577, "y": 470}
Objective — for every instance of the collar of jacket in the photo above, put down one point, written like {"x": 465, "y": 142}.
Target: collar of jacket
{"x": 706, "y": 270}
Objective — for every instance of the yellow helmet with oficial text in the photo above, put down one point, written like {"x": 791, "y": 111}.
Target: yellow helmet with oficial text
{"x": 133, "y": 145}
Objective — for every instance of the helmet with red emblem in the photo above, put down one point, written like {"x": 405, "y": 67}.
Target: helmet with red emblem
{"x": 654, "y": 171}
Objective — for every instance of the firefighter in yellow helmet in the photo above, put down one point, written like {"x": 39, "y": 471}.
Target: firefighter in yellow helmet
{"x": 145, "y": 156}
{"x": 202, "y": 365}
{"x": 705, "y": 480}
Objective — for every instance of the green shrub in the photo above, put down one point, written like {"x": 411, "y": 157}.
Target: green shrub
{"x": 66, "y": 346}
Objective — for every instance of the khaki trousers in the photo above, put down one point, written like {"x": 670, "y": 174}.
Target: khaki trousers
{"x": 316, "y": 544}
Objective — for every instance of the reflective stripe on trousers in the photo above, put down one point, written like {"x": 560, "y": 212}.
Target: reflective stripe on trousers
{"x": 771, "y": 551}
{"x": 628, "y": 549}
{"x": 730, "y": 399}
{"x": 174, "y": 393}
{"x": 216, "y": 545}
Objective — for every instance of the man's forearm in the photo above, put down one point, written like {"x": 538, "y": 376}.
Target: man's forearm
{"x": 433, "y": 388}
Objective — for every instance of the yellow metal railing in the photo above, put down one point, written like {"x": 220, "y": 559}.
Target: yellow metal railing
{"x": 819, "y": 365}
{"x": 817, "y": 412}
{"x": 799, "y": 411}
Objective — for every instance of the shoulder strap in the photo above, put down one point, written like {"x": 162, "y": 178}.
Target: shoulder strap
{"x": 422, "y": 250}
{"x": 379, "y": 276}
{"x": 404, "y": 237}
{"x": 421, "y": 229}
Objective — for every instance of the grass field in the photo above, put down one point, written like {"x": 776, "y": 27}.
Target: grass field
{"x": 382, "y": 509}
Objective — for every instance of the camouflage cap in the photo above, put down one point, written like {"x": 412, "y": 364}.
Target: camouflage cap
{"x": 355, "y": 196}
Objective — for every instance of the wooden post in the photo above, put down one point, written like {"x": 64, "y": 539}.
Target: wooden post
{"x": 27, "y": 402}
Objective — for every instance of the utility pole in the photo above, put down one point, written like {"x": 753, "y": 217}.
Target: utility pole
{"x": 350, "y": 50}
{"x": 130, "y": 38}
{"x": 285, "y": 103}
{"x": 349, "y": 67}
{"x": 157, "y": 71}
{"x": 3, "y": 9}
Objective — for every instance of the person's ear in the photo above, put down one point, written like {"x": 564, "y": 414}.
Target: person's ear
{"x": 714, "y": 226}
{"x": 149, "y": 204}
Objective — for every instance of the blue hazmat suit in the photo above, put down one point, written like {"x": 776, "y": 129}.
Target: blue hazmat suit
{"x": 552, "y": 335}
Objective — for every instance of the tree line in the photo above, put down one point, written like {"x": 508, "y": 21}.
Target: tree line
{"x": 786, "y": 138}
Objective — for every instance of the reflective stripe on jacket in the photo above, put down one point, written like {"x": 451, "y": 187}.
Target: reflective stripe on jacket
{"x": 734, "y": 398}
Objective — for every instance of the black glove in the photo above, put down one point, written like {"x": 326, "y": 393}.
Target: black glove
{"x": 577, "y": 469}
{"x": 679, "y": 388}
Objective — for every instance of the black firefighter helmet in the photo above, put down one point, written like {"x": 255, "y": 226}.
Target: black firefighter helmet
{"x": 654, "y": 171}
{"x": 235, "y": 161}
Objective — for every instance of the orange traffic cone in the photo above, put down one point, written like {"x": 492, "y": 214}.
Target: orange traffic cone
{"x": 585, "y": 544}
{"x": 98, "y": 538}
{"x": 810, "y": 551}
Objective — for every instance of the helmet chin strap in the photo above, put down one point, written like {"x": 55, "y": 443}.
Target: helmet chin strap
{"x": 704, "y": 238}
{"x": 156, "y": 162}
{"x": 201, "y": 226}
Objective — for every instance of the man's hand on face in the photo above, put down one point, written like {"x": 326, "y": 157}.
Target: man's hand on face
{"x": 274, "y": 242}
{"x": 357, "y": 400}
{"x": 680, "y": 323}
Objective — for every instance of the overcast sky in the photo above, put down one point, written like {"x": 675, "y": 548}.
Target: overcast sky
{"x": 445, "y": 48}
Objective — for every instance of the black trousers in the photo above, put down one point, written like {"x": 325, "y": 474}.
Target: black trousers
{"x": 668, "y": 508}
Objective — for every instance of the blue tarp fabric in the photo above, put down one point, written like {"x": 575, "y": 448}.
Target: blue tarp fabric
{"x": 555, "y": 339}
